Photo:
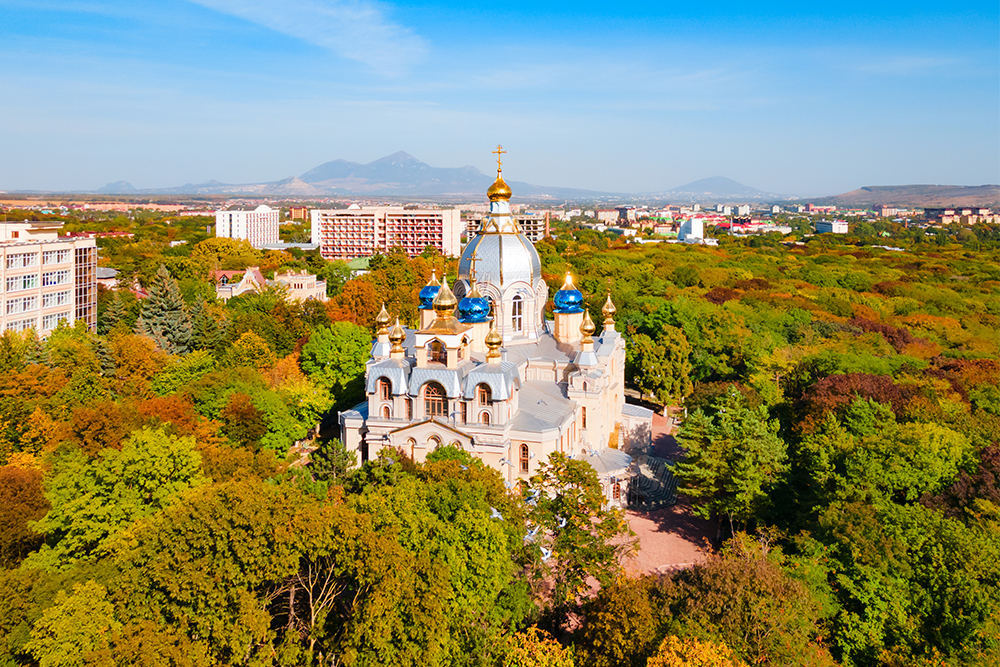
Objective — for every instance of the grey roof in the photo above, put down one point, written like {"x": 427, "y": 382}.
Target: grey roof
{"x": 541, "y": 405}
{"x": 501, "y": 259}
{"x": 397, "y": 371}
{"x": 103, "y": 273}
{"x": 608, "y": 461}
{"x": 451, "y": 380}
{"x": 546, "y": 348}
{"x": 359, "y": 411}
{"x": 637, "y": 411}
{"x": 501, "y": 378}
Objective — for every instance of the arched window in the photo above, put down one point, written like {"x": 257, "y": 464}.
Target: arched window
{"x": 485, "y": 418}
{"x": 517, "y": 313}
{"x": 409, "y": 408}
{"x": 437, "y": 352}
{"x": 585, "y": 386}
{"x": 435, "y": 402}
{"x": 384, "y": 389}
{"x": 484, "y": 394}
{"x": 412, "y": 445}
{"x": 525, "y": 456}
{"x": 616, "y": 491}
{"x": 433, "y": 442}
{"x": 583, "y": 417}
{"x": 386, "y": 412}
{"x": 463, "y": 409}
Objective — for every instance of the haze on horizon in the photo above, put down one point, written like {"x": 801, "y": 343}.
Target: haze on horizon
{"x": 627, "y": 96}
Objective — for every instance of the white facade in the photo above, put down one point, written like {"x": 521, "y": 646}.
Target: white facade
{"x": 691, "y": 229}
{"x": 45, "y": 278}
{"x": 259, "y": 226}
{"x": 361, "y": 231}
{"x": 831, "y": 227}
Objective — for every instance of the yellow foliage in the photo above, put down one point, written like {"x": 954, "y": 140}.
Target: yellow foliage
{"x": 690, "y": 652}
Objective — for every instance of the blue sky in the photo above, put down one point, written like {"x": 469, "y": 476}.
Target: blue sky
{"x": 616, "y": 96}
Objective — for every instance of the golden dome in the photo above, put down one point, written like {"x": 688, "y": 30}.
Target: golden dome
{"x": 434, "y": 280}
{"x": 382, "y": 319}
{"x": 493, "y": 341}
{"x": 396, "y": 337}
{"x": 445, "y": 302}
{"x": 499, "y": 191}
{"x": 587, "y": 327}
{"x": 609, "y": 311}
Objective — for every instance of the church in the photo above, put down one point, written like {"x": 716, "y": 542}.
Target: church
{"x": 486, "y": 372}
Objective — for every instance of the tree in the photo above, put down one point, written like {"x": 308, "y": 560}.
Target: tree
{"x": 331, "y": 460}
{"x": 207, "y": 331}
{"x": 691, "y": 652}
{"x": 661, "y": 367}
{"x": 533, "y": 648}
{"x": 733, "y": 460}
{"x": 113, "y": 315}
{"x": 182, "y": 371}
{"x": 91, "y": 501}
{"x": 75, "y": 626}
{"x": 22, "y": 501}
{"x": 245, "y": 425}
{"x": 578, "y": 530}
{"x": 249, "y": 350}
{"x": 164, "y": 317}
{"x": 335, "y": 358}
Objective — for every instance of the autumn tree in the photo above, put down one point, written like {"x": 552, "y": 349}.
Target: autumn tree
{"x": 22, "y": 501}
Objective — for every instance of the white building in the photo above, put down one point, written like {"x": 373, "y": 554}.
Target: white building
{"x": 46, "y": 278}
{"x": 691, "y": 229}
{"x": 831, "y": 227}
{"x": 259, "y": 226}
{"x": 487, "y": 373}
{"x": 361, "y": 231}
{"x": 743, "y": 209}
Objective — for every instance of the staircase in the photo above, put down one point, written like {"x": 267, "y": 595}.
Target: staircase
{"x": 654, "y": 485}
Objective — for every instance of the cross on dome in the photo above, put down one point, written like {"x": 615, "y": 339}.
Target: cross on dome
{"x": 498, "y": 152}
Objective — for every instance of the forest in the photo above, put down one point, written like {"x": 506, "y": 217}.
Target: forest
{"x": 841, "y": 412}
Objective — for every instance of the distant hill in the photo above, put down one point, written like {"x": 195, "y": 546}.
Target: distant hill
{"x": 118, "y": 188}
{"x": 715, "y": 188}
{"x": 920, "y": 196}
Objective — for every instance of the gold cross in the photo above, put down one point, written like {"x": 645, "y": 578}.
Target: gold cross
{"x": 499, "y": 151}
{"x": 472, "y": 266}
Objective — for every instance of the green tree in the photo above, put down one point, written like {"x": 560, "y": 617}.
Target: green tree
{"x": 335, "y": 358}
{"x": 734, "y": 458}
{"x": 91, "y": 501}
{"x": 207, "y": 331}
{"x": 164, "y": 317}
{"x": 249, "y": 350}
{"x": 73, "y": 627}
{"x": 114, "y": 314}
{"x": 661, "y": 367}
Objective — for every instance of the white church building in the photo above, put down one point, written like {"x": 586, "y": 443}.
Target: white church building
{"x": 486, "y": 372}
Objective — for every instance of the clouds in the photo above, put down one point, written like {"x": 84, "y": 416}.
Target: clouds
{"x": 356, "y": 29}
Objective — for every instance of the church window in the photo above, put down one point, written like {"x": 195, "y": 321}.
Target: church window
{"x": 435, "y": 402}
{"x": 384, "y": 389}
{"x": 517, "y": 313}
{"x": 484, "y": 393}
{"x": 616, "y": 491}
{"x": 386, "y": 412}
{"x": 412, "y": 444}
{"x": 437, "y": 352}
{"x": 525, "y": 455}
{"x": 433, "y": 442}
{"x": 585, "y": 386}
{"x": 463, "y": 409}
{"x": 409, "y": 409}
{"x": 583, "y": 417}
{"x": 485, "y": 418}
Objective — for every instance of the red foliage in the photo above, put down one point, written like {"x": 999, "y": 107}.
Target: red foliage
{"x": 984, "y": 484}
{"x": 836, "y": 391}
{"x": 103, "y": 426}
{"x": 898, "y": 338}
{"x": 752, "y": 284}
{"x": 966, "y": 374}
{"x": 719, "y": 295}
{"x": 171, "y": 409}
{"x": 21, "y": 501}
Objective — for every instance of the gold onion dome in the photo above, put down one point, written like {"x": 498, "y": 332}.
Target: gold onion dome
{"x": 609, "y": 310}
{"x": 382, "y": 319}
{"x": 397, "y": 336}
{"x": 493, "y": 341}
{"x": 587, "y": 327}
{"x": 445, "y": 301}
{"x": 499, "y": 191}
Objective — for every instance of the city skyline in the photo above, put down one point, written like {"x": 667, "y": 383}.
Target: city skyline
{"x": 627, "y": 98}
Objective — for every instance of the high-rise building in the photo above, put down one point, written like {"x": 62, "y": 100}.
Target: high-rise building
{"x": 533, "y": 225}
{"x": 361, "y": 231}
{"x": 46, "y": 278}
{"x": 259, "y": 226}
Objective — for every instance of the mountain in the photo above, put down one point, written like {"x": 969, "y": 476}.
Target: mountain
{"x": 291, "y": 187}
{"x": 118, "y": 188}
{"x": 714, "y": 188}
{"x": 920, "y": 196}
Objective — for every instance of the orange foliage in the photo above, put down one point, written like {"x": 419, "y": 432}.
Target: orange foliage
{"x": 172, "y": 409}
{"x": 137, "y": 360}
{"x": 358, "y": 302}
{"x": 33, "y": 382}
{"x": 105, "y": 425}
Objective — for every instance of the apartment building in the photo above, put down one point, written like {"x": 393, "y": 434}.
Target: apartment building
{"x": 46, "y": 278}
{"x": 533, "y": 225}
{"x": 259, "y": 226}
{"x": 361, "y": 231}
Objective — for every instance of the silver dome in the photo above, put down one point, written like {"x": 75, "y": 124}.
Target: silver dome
{"x": 501, "y": 259}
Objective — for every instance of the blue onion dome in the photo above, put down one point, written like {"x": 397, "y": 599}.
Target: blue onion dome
{"x": 568, "y": 299}
{"x": 474, "y": 308}
{"x": 429, "y": 291}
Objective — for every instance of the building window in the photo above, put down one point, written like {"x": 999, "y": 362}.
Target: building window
{"x": 525, "y": 456}
{"x": 583, "y": 417}
{"x": 409, "y": 409}
{"x": 55, "y": 299}
{"x": 435, "y": 402}
{"x": 484, "y": 393}
{"x": 55, "y": 278}
{"x": 386, "y": 412}
{"x": 384, "y": 389}
{"x": 51, "y": 321}
{"x": 485, "y": 418}
{"x": 616, "y": 491}
{"x": 463, "y": 408}
{"x": 433, "y": 442}
{"x": 23, "y": 304}
{"x": 18, "y": 283}
{"x": 22, "y": 260}
{"x": 412, "y": 445}
{"x": 517, "y": 313}
{"x": 55, "y": 256}
{"x": 21, "y": 325}
{"x": 437, "y": 352}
